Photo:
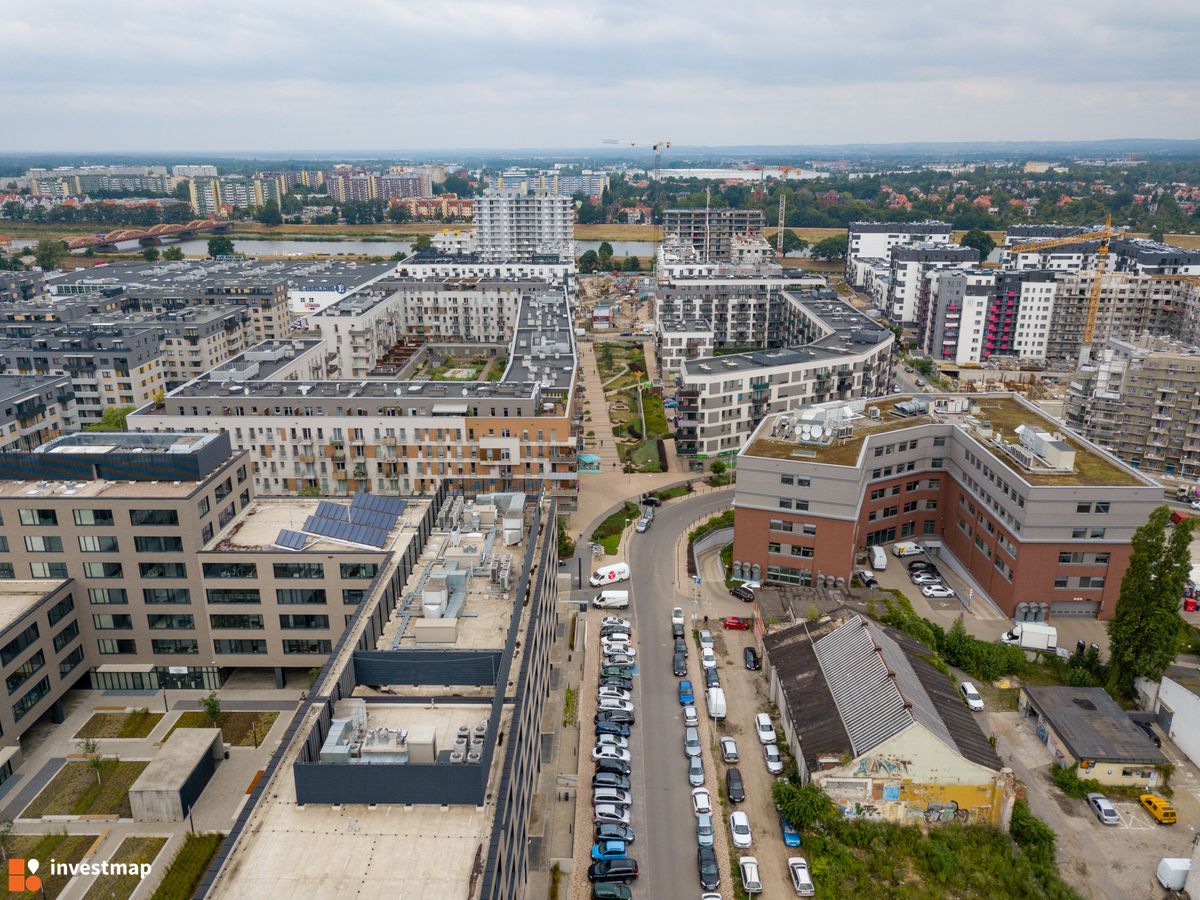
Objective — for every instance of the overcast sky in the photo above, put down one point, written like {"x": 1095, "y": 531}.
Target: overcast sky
{"x": 373, "y": 75}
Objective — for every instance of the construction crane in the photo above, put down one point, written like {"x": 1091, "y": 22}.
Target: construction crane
{"x": 782, "y": 219}
{"x": 658, "y": 147}
{"x": 1103, "y": 235}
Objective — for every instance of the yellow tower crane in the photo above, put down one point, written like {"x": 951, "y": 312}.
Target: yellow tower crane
{"x": 1103, "y": 235}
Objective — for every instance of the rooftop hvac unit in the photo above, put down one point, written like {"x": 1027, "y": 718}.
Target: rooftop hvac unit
{"x": 874, "y": 412}
{"x": 457, "y": 756}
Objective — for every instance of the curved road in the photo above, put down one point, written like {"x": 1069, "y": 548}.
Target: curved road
{"x": 666, "y": 852}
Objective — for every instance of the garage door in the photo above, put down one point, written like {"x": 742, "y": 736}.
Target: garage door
{"x": 1089, "y": 608}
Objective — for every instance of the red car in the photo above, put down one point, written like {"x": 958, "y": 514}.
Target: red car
{"x": 736, "y": 622}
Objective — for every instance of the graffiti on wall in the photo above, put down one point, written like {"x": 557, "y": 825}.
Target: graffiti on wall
{"x": 860, "y": 811}
{"x": 882, "y": 765}
{"x": 945, "y": 812}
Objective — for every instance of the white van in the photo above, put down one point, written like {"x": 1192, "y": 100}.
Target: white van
{"x": 878, "y": 558}
{"x": 610, "y": 574}
{"x": 611, "y": 600}
{"x": 716, "y": 703}
{"x": 907, "y": 548}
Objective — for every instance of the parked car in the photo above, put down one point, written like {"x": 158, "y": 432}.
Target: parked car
{"x": 802, "y": 882}
{"x": 706, "y": 639}
{"x": 619, "y": 659}
{"x": 739, "y": 826}
{"x": 616, "y": 632}
{"x": 937, "y": 590}
{"x": 690, "y": 719}
{"x": 706, "y": 866}
{"x": 686, "y": 696}
{"x": 679, "y": 664}
{"x": 616, "y": 716}
{"x": 750, "y": 655}
{"x": 736, "y": 623}
{"x": 735, "y": 790}
{"x": 866, "y": 578}
{"x": 612, "y": 648}
{"x": 743, "y": 593}
{"x": 695, "y": 771}
{"x": 607, "y": 891}
{"x": 615, "y": 796}
{"x": 1160, "y": 808}
{"x": 615, "y": 620}
{"x": 651, "y": 501}
{"x": 618, "y": 753}
{"x": 748, "y": 869}
{"x": 608, "y": 850}
{"x": 612, "y": 740}
{"x": 620, "y": 684}
{"x": 708, "y": 659}
{"x": 681, "y": 646}
{"x": 604, "y": 703}
{"x": 610, "y": 813}
{"x": 1105, "y": 811}
{"x": 711, "y": 678}
{"x": 691, "y": 742}
{"x": 676, "y": 630}
{"x": 677, "y": 615}
{"x": 613, "y": 767}
{"x": 612, "y": 728}
{"x": 971, "y": 696}
{"x": 612, "y": 693}
{"x": 704, "y": 830}
{"x": 616, "y": 671}
{"x": 764, "y": 729}
{"x": 606, "y": 832}
{"x": 610, "y": 779}
{"x": 791, "y": 835}
{"x": 918, "y": 564}
{"x": 1149, "y": 732}
{"x": 623, "y": 870}
{"x": 701, "y": 802}
{"x": 773, "y": 759}
{"x": 729, "y": 751}
{"x": 925, "y": 577}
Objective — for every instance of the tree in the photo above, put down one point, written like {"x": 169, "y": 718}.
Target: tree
{"x": 605, "y": 253}
{"x": 718, "y": 468}
{"x": 14, "y": 209}
{"x": 90, "y": 748}
{"x": 6, "y": 831}
{"x": 212, "y": 709}
{"x": 805, "y": 806}
{"x": 398, "y": 212}
{"x": 48, "y": 252}
{"x": 831, "y": 247}
{"x": 631, "y": 264}
{"x": 589, "y": 262}
{"x": 792, "y": 243}
{"x": 112, "y": 419}
{"x": 980, "y": 240}
{"x": 1144, "y": 629}
{"x": 269, "y": 214}
{"x": 220, "y": 245}
{"x": 150, "y": 254}
{"x": 175, "y": 254}
{"x": 422, "y": 242}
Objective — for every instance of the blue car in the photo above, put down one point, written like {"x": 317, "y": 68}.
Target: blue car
{"x": 791, "y": 837}
{"x": 612, "y": 728}
{"x": 686, "y": 697}
{"x": 609, "y": 850}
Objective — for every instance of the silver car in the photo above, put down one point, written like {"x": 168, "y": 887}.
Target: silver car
{"x": 704, "y": 830}
{"x": 729, "y": 751}
{"x": 695, "y": 771}
{"x": 691, "y": 742}
{"x": 774, "y": 760}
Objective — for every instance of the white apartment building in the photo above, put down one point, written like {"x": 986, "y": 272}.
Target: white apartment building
{"x": 875, "y": 240}
{"x": 511, "y": 225}
{"x": 678, "y": 340}
{"x": 908, "y": 267}
{"x": 970, "y": 315}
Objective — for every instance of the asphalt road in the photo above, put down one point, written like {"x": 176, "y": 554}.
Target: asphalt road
{"x": 666, "y": 844}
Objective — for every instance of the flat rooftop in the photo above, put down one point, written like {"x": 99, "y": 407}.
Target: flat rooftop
{"x": 257, "y": 527}
{"x": 198, "y": 274}
{"x": 419, "y": 852}
{"x": 18, "y": 597}
{"x": 1093, "y": 725}
{"x": 684, "y": 326}
{"x": 176, "y": 758}
{"x": 1092, "y": 467}
{"x": 13, "y": 386}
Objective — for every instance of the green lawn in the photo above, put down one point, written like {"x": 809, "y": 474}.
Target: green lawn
{"x": 235, "y": 726}
{"x": 656, "y": 415}
{"x": 643, "y": 455}
{"x": 136, "y": 724}
{"x": 63, "y": 848}
{"x": 135, "y": 850}
{"x": 185, "y": 873}
{"x": 608, "y": 532}
{"x": 680, "y": 490}
{"x": 75, "y": 792}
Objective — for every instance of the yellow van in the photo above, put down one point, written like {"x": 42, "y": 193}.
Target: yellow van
{"x": 1159, "y": 807}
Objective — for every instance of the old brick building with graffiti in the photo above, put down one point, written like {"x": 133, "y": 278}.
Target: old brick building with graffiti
{"x": 881, "y": 730}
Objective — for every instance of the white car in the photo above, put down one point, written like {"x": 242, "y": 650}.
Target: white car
{"x": 701, "y": 802}
{"x": 611, "y": 814}
{"x": 616, "y": 621}
{"x": 971, "y": 696}
{"x": 729, "y": 751}
{"x": 615, "y": 692}
{"x": 764, "y": 729}
{"x": 1195, "y": 504}
{"x": 677, "y": 616}
{"x": 618, "y": 754}
{"x": 706, "y": 640}
{"x": 618, "y": 642}
{"x": 642, "y": 526}
{"x": 690, "y": 719}
{"x": 773, "y": 759}
{"x": 615, "y": 796}
{"x": 708, "y": 659}
{"x": 1105, "y": 811}
{"x": 695, "y": 771}
{"x": 748, "y": 869}
{"x": 618, "y": 659}
{"x": 802, "y": 881}
{"x": 937, "y": 590}
{"x": 739, "y": 824}
{"x": 612, "y": 740}
{"x": 614, "y": 703}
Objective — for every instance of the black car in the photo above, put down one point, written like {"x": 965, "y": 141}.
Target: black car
{"x": 711, "y": 678}
{"x": 743, "y": 593}
{"x": 608, "y": 630}
{"x": 1149, "y": 732}
{"x": 918, "y": 565}
{"x": 610, "y": 831}
{"x": 613, "y": 767}
{"x": 615, "y": 716}
{"x": 612, "y": 728}
{"x": 618, "y": 671}
{"x": 706, "y": 864}
{"x": 623, "y": 870}
{"x": 625, "y": 684}
{"x": 679, "y": 665}
{"x": 676, "y": 630}
{"x": 734, "y": 789}
{"x": 610, "y": 780}
{"x": 681, "y": 646}
{"x": 750, "y": 655}
{"x": 651, "y": 501}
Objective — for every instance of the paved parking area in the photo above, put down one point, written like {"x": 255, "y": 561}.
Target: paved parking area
{"x": 1113, "y": 862}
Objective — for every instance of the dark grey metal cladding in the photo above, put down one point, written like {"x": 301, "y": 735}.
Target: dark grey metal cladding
{"x": 433, "y": 667}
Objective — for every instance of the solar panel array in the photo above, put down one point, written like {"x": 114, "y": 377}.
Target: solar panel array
{"x": 345, "y": 531}
{"x": 392, "y": 506}
{"x": 290, "y": 540}
{"x": 335, "y": 511}
{"x": 368, "y": 520}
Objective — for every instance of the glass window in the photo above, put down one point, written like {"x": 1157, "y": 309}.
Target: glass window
{"x": 166, "y": 595}
{"x": 230, "y": 570}
{"x": 240, "y": 645}
{"x": 299, "y": 570}
{"x": 303, "y": 621}
{"x": 98, "y": 543}
{"x": 60, "y": 609}
{"x": 1061, "y": 581}
{"x": 13, "y": 648}
{"x": 156, "y": 543}
{"x": 101, "y": 517}
{"x": 231, "y": 620}
{"x": 108, "y": 595}
{"x": 112, "y": 621}
{"x": 171, "y": 620}
{"x": 48, "y": 570}
{"x": 353, "y": 595}
{"x": 103, "y": 570}
{"x": 70, "y": 661}
{"x": 111, "y": 646}
{"x": 7, "y": 570}
{"x": 31, "y": 699}
{"x": 301, "y": 646}
{"x": 65, "y": 636}
{"x": 24, "y": 671}
{"x": 37, "y": 543}
{"x": 188, "y": 646}
{"x": 152, "y": 517}
{"x": 163, "y": 570}
{"x": 38, "y": 516}
{"x": 300, "y": 595}
{"x": 233, "y": 595}
{"x": 1102, "y": 506}
{"x": 203, "y": 507}
{"x": 358, "y": 570}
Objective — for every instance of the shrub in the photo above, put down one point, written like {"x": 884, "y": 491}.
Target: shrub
{"x": 805, "y": 806}
{"x": 1067, "y": 780}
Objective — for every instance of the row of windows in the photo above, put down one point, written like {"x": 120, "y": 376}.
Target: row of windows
{"x": 191, "y": 647}
{"x": 103, "y": 543}
{"x": 114, "y": 570}
{"x": 790, "y": 527}
{"x": 286, "y": 570}
{"x": 1098, "y": 559}
{"x": 183, "y": 596}
{"x": 101, "y": 517}
{"x": 187, "y": 622}
{"x": 1084, "y": 582}
{"x": 793, "y": 550}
